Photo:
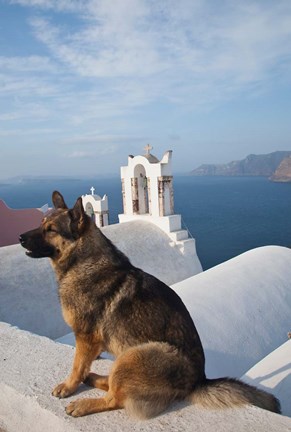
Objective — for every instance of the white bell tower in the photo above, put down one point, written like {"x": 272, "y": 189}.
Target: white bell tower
{"x": 96, "y": 207}
{"x": 147, "y": 185}
{"x": 147, "y": 192}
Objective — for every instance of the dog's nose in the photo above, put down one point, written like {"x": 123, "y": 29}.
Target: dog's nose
{"x": 21, "y": 239}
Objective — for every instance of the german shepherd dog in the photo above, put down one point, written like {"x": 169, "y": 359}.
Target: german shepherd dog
{"x": 113, "y": 306}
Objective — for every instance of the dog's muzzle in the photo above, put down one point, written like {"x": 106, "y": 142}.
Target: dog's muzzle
{"x": 22, "y": 240}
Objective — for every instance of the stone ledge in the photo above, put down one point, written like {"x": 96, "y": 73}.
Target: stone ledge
{"x": 32, "y": 365}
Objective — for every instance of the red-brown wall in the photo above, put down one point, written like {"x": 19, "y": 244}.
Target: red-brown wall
{"x": 14, "y": 222}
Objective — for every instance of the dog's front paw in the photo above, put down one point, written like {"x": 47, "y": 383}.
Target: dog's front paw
{"x": 63, "y": 390}
{"x": 79, "y": 407}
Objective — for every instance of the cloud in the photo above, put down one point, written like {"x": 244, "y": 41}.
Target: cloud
{"x": 173, "y": 51}
{"x": 56, "y": 5}
{"x": 100, "y": 51}
{"x": 29, "y": 64}
{"x": 104, "y": 61}
{"x": 36, "y": 112}
{"x": 31, "y": 132}
{"x": 83, "y": 154}
{"x": 28, "y": 75}
{"x": 79, "y": 154}
{"x": 94, "y": 145}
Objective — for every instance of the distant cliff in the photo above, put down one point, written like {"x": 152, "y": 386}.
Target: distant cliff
{"x": 252, "y": 165}
{"x": 283, "y": 172}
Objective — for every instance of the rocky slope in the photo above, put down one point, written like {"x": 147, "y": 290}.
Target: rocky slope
{"x": 283, "y": 172}
{"x": 252, "y": 165}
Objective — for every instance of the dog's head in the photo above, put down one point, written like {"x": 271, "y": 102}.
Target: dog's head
{"x": 58, "y": 230}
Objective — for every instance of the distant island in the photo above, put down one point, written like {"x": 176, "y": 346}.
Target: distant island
{"x": 40, "y": 178}
{"x": 276, "y": 166}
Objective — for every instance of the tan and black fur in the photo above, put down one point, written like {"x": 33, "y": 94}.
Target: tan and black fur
{"x": 113, "y": 306}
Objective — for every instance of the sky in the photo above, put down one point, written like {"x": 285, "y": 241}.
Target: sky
{"x": 85, "y": 83}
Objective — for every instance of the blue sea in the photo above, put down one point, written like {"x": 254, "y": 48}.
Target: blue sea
{"x": 226, "y": 215}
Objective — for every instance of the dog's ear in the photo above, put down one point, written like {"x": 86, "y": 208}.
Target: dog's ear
{"x": 78, "y": 216}
{"x": 58, "y": 200}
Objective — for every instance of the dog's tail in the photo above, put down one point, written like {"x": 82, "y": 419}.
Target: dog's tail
{"x": 230, "y": 392}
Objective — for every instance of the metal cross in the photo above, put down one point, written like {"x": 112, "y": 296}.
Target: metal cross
{"x": 92, "y": 190}
{"x": 148, "y": 148}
